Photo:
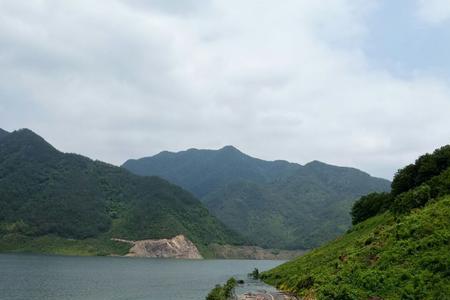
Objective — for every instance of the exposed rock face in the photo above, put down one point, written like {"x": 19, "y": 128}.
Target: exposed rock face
{"x": 177, "y": 247}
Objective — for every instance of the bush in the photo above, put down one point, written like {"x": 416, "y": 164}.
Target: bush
{"x": 404, "y": 180}
{"x": 412, "y": 187}
{"x": 224, "y": 292}
{"x": 426, "y": 167}
{"x": 369, "y": 206}
{"x": 254, "y": 274}
{"x": 376, "y": 203}
{"x": 339, "y": 292}
{"x": 415, "y": 198}
{"x": 216, "y": 293}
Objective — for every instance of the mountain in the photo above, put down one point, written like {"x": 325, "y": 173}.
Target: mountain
{"x": 47, "y": 193}
{"x": 274, "y": 204}
{"x": 3, "y": 133}
{"x": 203, "y": 171}
{"x": 399, "y": 251}
{"x": 299, "y": 211}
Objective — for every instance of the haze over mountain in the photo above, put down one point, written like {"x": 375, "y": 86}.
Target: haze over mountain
{"x": 274, "y": 204}
{"x": 48, "y": 193}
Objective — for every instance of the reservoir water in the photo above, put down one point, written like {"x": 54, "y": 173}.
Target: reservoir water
{"x": 36, "y": 277}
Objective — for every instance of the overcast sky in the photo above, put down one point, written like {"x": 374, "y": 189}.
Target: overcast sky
{"x": 354, "y": 83}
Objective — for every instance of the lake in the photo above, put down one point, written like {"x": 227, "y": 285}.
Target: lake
{"x": 27, "y": 276}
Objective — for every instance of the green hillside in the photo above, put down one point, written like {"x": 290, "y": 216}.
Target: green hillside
{"x": 203, "y": 171}
{"x": 47, "y": 196}
{"x": 399, "y": 250}
{"x": 273, "y": 204}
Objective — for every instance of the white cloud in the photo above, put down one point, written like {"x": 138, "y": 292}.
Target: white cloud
{"x": 280, "y": 80}
{"x": 434, "y": 11}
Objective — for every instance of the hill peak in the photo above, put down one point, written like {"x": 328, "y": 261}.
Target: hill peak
{"x": 316, "y": 163}
{"x": 230, "y": 148}
{"x": 320, "y": 164}
{"x": 27, "y": 142}
{"x": 25, "y": 133}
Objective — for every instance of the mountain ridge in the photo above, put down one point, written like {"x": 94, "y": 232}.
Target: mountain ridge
{"x": 266, "y": 201}
{"x": 48, "y": 192}
{"x": 185, "y": 167}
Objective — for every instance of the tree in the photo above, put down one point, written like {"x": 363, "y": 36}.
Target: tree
{"x": 369, "y": 206}
{"x": 254, "y": 274}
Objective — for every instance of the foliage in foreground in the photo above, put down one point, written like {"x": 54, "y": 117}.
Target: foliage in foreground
{"x": 398, "y": 249}
{"x": 224, "y": 292}
{"x": 387, "y": 256}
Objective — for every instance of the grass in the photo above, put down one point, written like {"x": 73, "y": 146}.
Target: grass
{"x": 49, "y": 244}
{"x": 387, "y": 257}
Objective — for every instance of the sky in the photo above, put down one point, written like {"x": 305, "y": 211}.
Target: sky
{"x": 360, "y": 83}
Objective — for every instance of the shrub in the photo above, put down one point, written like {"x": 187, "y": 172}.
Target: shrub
{"x": 254, "y": 274}
{"x": 426, "y": 167}
{"x": 224, "y": 292}
{"x": 415, "y": 198}
{"x": 369, "y": 206}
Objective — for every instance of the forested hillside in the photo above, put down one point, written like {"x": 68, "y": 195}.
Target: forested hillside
{"x": 204, "y": 171}
{"x": 3, "y": 133}
{"x": 274, "y": 204}
{"x": 44, "y": 192}
{"x": 300, "y": 211}
{"x": 398, "y": 248}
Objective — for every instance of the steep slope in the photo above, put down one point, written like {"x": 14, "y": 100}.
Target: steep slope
{"x": 274, "y": 204}
{"x": 203, "y": 171}
{"x": 299, "y": 211}
{"x": 46, "y": 192}
{"x": 400, "y": 252}
{"x": 384, "y": 257}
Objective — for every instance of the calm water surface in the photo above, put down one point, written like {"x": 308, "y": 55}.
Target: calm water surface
{"x": 115, "y": 278}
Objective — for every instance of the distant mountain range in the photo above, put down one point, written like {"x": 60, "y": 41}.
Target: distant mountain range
{"x": 66, "y": 203}
{"x": 204, "y": 171}
{"x": 274, "y": 204}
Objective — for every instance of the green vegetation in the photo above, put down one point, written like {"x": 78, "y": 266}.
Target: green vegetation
{"x": 407, "y": 257}
{"x": 412, "y": 187}
{"x": 47, "y": 196}
{"x": 50, "y": 244}
{"x": 224, "y": 292}
{"x": 300, "y": 211}
{"x": 203, "y": 171}
{"x": 425, "y": 168}
{"x": 369, "y": 206}
{"x": 254, "y": 274}
{"x": 272, "y": 204}
{"x": 398, "y": 249}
